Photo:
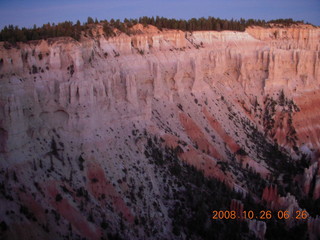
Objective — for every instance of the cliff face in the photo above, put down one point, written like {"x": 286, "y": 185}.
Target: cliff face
{"x": 295, "y": 37}
{"x": 136, "y": 69}
{"x": 223, "y": 98}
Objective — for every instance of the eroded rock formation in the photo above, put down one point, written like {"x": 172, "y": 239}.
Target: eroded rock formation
{"x": 89, "y": 128}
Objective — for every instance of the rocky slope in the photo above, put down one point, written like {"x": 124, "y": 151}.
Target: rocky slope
{"x": 142, "y": 136}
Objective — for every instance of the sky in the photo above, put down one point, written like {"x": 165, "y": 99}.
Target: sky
{"x": 26, "y": 13}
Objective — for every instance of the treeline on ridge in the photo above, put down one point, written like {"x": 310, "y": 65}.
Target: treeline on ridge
{"x": 13, "y": 34}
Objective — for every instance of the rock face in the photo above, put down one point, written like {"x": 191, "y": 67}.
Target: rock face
{"x": 294, "y": 37}
{"x": 237, "y": 206}
{"x": 270, "y": 195}
{"x": 314, "y": 228}
{"x": 311, "y": 180}
{"x": 76, "y": 119}
{"x": 259, "y": 228}
{"x": 63, "y": 76}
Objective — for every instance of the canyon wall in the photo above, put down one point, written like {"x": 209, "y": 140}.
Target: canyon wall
{"x": 76, "y": 118}
{"x": 59, "y": 77}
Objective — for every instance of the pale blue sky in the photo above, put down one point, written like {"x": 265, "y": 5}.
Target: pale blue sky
{"x": 25, "y": 13}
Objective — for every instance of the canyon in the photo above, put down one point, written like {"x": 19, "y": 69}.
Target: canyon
{"x": 142, "y": 136}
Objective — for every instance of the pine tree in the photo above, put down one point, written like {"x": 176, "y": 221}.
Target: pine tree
{"x": 90, "y": 20}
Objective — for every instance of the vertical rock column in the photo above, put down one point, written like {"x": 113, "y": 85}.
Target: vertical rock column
{"x": 158, "y": 83}
{"x": 131, "y": 90}
{"x": 198, "y": 75}
{"x": 314, "y": 228}
{"x": 15, "y": 133}
{"x": 316, "y": 193}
